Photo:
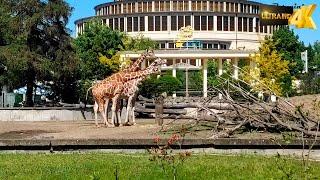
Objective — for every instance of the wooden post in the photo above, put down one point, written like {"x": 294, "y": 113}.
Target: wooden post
{"x": 159, "y": 101}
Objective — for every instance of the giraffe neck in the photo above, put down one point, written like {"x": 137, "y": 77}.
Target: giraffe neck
{"x": 136, "y": 65}
{"x": 134, "y": 75}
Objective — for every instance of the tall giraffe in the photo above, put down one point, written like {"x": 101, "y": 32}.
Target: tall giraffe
{"x": 113, "y": 86}
{"x": 134, "y": 67}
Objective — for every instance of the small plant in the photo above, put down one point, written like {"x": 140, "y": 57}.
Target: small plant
{"x": 166, "y": 158}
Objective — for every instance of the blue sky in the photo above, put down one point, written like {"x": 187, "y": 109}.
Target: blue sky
{"x": 84, "y": 8}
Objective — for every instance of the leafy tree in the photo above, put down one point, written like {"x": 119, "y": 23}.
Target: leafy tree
{"x": 314, "y": 56}
{"x": 270, "y": 72}
{"x": 139, "y": 42}
{"x": 41, "y": 48}
{"x": 287, "y": 44}
{"x": 154, "y": 87}
{"x": 96, "y": 47}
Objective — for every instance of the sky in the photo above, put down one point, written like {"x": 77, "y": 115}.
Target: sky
{"x": 85, "y": 8}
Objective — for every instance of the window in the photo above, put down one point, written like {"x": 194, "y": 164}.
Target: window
{"x": 171, "y": 45}
{"x": 150, "y": 23}
{"x": 210, "y": 23}
{"x": 245, "y": 24}
{"x": 142, "y": 28}
{"x": 240, "y": 24}
{"x": 145, "y": 7}
{"x": 250, "y": 24}
{"x": 187, "y": 20}
{"x": 173, "y": 23}
{"x": 122, "y": 24}
{"x": 219, "y": 23}
{"x": 125, "y": 8}
{"x": 156, "y": 6}
{"x": 232, "y": 7}
{"x": 211, "y": 6}
{"x": 241, "y": 8}
{"x": 237, "y": 7}
{"x": 162, "y": 4}
{"x": 139, "y": 6}
{"x": 180, "y": 5}
{"x": 164, "y": 23}
{"x": 199, "y": 5}
{"x": 149, "y": 6}
{"x": 204, "y": 23}
{"x": 197, "y": 23}
{"x": 231, "y": 23}
{"x": 225, "y": 23}
{"x": 157, "y": 23}
{"x": 215, "y": 46}
{"x": 167, "y": 5}
{"x": 129, "y": 7}
{"x": 133, "y": 7}
{"x": 111, "y": 23}
{"x": 204, "y": 6}
{"x": 193, "y": 5}
{"x": 209, "y": 46}
{"x": 221, "y": 7}
{"x": 174, "y": 5}
{"x": 135, "y": 24}
{"x": 180, "y": 22}
{"x": 227, "y": 7}
{"x": 216, "y": 7}
{"x": 257, "y": 25}
{"x": 116, "y": 24}
{"x": 129, "y": 24}
{"x": 186, "y": 5}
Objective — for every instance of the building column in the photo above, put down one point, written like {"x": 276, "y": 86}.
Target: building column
{"x": 205, "y": 78}
{"x": 220, "y": 70}
{"x": 174, "y": 74}
{"x": 235, "y": 68}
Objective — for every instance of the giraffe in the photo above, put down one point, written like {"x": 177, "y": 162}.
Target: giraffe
{"x": 112, "y": 88}
{"x": 134, "y": 67}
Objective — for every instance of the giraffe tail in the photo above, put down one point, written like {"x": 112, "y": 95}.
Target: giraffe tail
{"x": 85, "y": 103}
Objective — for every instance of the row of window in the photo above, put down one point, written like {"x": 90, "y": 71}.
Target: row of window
{"x": 159, "y": 6}
{"x": 174, "y": 23}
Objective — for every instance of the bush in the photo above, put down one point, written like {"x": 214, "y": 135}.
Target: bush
{"x": 153, "y": 86}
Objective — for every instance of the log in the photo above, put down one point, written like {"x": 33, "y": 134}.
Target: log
{"x": 217, "y": 106}
{"x": 165, "y": 111}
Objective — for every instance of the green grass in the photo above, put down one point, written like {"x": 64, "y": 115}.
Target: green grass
{"x": 138, "y": 166}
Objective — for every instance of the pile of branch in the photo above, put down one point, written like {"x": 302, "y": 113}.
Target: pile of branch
{"x": 252, "y": 113}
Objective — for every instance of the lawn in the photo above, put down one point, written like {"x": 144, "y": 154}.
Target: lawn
{"x": 138, "y": 166}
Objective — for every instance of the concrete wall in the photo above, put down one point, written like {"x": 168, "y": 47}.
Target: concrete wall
{"x": 15, "y": 114}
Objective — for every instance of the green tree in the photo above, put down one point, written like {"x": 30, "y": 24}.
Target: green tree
{"x": 271, "y": 70}
{"x": 314, "y": 57}
{"x": 95, "y": 48}
{"x": 139, "y": 42}
{"x": 287, "y": 44}
{"x": 154, "y": 87}
{"x": 41, "y": 48}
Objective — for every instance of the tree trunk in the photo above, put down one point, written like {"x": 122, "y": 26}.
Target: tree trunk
{"x": 30, "y": 85}
{"x": 159, "y": 101}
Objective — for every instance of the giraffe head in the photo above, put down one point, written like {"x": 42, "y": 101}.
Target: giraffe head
{"x": 156, "y": 65}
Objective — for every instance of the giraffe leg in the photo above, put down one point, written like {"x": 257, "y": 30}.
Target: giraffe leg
{"x": 95, "y": 109}
{"x": 133, "y": 116}
{"x": 114, "y": 109}
{"x": 128, "y": 111}
{"x": 105, "y": 122}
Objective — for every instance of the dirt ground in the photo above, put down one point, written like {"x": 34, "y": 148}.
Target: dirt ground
{"x": 145, "y": 128}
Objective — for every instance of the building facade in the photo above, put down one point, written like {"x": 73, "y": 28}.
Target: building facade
{"x": 218, "y": 24}
{"x": 223, "y": 31}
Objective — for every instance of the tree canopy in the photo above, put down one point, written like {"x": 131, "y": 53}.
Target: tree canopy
{"x": 270, "y": 71}
{"x": 35, "y": 45}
